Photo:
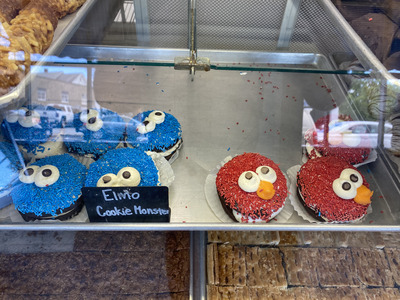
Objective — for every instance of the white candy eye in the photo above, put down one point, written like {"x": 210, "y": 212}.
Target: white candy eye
{"x": 128, "y": 177}
{"x": 249, "y": 181}
{"x": 94, "y": 124}
{"x": 351, "y": 140}
{"x": 87, "y": 114}
{"x": 46, "y": 175}
{"x": 29, "y": 118}
{"x": 266, "y": 173}
{"x": 107, "y": 180}
{"x": 353, "y": 176}
{"x": 27, "y": 175}
{"x": 344, "y": 188}
{"x": 157, "y": 116}
{"x": 146, "y": 126}
{"x": 12, "y": 116}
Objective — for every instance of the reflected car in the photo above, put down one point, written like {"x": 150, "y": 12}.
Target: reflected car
{"x": 353, "y": 133}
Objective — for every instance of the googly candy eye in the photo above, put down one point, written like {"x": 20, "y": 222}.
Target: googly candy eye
{"x": 12, "y": 116}
{"x": 94, "y": 124}
{"x": 266, "y": 173}
{"x": 146, "y": 126}
{"x": 29, "y": 119}
{"x": 249, "y": 181}
{"x": 87, "y": 114}
{"x": 344, "y": 189}
{"x": 107, "y": 180}
{"x": 128, "y": 177}
{"x": 46, "y": 175}
{"x": 27, "y": 175}
{"x": 353, "y": 176}
{"x": 157, "y": 116}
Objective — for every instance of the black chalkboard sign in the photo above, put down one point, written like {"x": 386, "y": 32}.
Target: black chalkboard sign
{"x": 127, "y": 204}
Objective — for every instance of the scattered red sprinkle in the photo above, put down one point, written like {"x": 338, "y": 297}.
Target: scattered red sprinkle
{"x": 185, "y": 206}
{"x": 260, "y": 93}
{"x": 287, "y": 96}
{"x": 273, "y": 91}
{"x": 288, "y": 85}
{"x": 187, "y": 157}
{"x": 370, "y": 222}
{"x": 262, "y": 74}
{"x": 283, "y": 139}
{"x": 243, "y": 130}
{"x": 183, "y": 221}
{"x": 229, "y": 128}
{"x": 259, "y": 78}
{"x": 328, "y": 90}
{"x": 262, "y": 98}
{"x": 246, "y": 100}
{"x": 237, "y": 123}
{"x": 248, "y": 80}
{"x": 265, "y": 131}
{"x": 381, "y": 211}
{"x": 370, "y": 19}
{"x": 266, "y": 119}
{"x": 316, "y": 83}
{"x": 381, "y": 197}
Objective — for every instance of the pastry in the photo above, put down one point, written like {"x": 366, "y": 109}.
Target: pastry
{"x": 332, "y": 190}
{"x": 50, "y": 188}
{"x": 328, "y": 139}
{"x": 31, "y": 31}
{"x": 95, "y": 132}
{"x": 251, "y": 188}
{"x": 123, "y": 167}
{"x": 35, "y": 135}
{"x": 155, "y": 131}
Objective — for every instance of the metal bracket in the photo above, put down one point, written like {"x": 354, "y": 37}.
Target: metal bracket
{"x": 192, "y": 64}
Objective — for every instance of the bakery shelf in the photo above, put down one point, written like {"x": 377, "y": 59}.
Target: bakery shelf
{"x": 262, "y": 81}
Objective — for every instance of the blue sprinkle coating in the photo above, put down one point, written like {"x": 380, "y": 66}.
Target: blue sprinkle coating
{"x": 28, "y": 198}
{"x": 32, "y": 136}
{"x": 164, "y": 136}
{"x": 96, "y": 142}
{"x": 115, "y": 160}
{"x": 10, "y": 163}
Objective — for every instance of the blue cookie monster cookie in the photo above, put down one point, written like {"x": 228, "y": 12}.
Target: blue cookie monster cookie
{"x": 10, "y": 164}
{"x": 27, "y": 126}
{"x": 50, "y": 188}
{"x": 96, "y": 132}
{"x": 123, "y": 167}
{"x": 155, "y": 131}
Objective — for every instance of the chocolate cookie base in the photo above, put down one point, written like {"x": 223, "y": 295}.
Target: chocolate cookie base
{"x": 67, "y": 213}
{"x": 227, "y": 209}
{"x": 168, "y": 157}
{"x": 310, "y": 211}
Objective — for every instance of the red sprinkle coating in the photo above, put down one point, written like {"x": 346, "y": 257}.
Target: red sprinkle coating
{"x": 249, "y": 204}
{"x": 353, "y": 155}
{"x": 315, "y": 180}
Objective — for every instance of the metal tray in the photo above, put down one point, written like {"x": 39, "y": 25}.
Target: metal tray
{"x": 64, "y": 31}
{"x": 224, "y": 113}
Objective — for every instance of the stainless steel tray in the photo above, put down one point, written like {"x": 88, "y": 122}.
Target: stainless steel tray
{"x": 222, "y": 114}
{"x": 64, "y": 31}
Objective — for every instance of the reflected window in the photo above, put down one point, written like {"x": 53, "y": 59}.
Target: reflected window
{"x": 83, "y": 99}
{"x": 126, "y": 13}
{"x": 41, "y": 94}
{"x": 359, "y": 129}
{"x": 64, "y": 97}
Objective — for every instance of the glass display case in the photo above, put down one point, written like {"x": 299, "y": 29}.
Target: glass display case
{"x": 84, "y": 92}
{"x": 287, "y": 80}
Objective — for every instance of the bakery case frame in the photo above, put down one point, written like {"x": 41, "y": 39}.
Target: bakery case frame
{"x": 239, "y": 79}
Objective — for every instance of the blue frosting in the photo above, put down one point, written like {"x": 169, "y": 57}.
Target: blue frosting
{"x": 33, "y": 136}
{"x": 28, "y": 198}
{"x": 96, "y": 142}
{"x": 164, "y": 136}
{"x": 10, "y": 163}
{"x": 115, "y": 160}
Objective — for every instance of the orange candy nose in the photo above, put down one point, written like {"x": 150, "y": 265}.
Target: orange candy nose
{"x": 266, "y": 190}
{"x": 363, "y": 196}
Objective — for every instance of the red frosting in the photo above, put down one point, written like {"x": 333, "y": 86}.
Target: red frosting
{"x": 315, "y": 180}
{"x": 249, "y": 204}
{"x": 353, "y": 155}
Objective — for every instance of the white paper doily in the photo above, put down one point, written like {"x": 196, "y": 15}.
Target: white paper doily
{"x": 215, "y": 205}
{"x": 298, "y": 206}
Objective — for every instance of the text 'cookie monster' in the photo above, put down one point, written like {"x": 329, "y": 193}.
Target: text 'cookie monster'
{"x": 95, "y": 132}
{"x": 50, "y": 188}
{"x": 155, "y": 131}
{"x": 123, "y": 167}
